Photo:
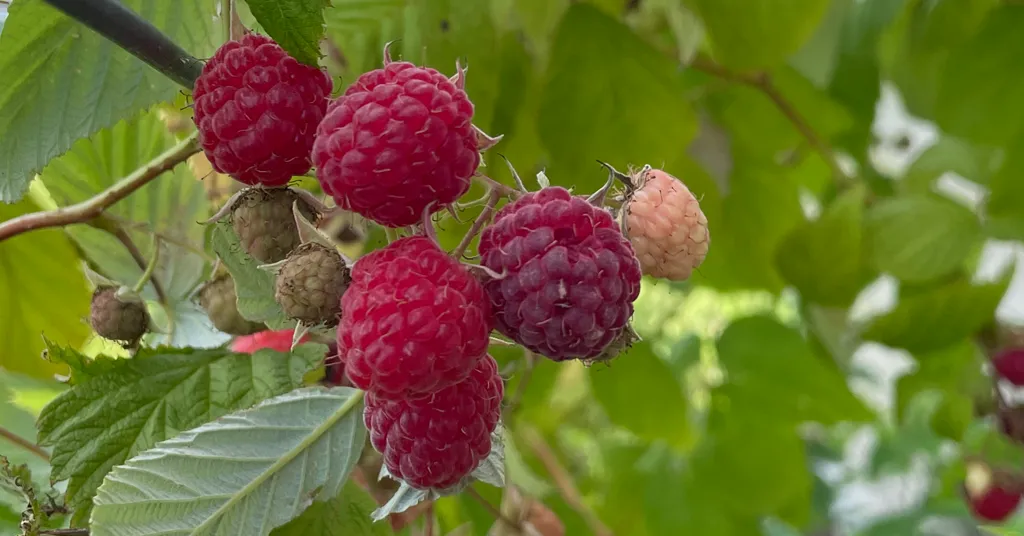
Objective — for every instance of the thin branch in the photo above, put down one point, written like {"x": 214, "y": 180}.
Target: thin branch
{"x": 111, "y": 226}
{"x": 65, "y": 532}
{"x": 563, "y": 480}
{"x": 24, "y": 443}
{"x": 495, "y": 185}
{"x": 493, "y": 510}
{"x": 763, "y": 82}
{"x": 94, "y": 206}
{"x": 125, "y": 28}
{"x": 485, "y": 216}
{"x": 164, "y": 237}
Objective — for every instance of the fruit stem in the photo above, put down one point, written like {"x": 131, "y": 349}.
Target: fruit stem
{"x": 116, "y": 22}
{"x": 150, "y": 268}
{"x": 110, "y": 225}
{"x": 485, "y": 216}
{"x": 94, "y": 206}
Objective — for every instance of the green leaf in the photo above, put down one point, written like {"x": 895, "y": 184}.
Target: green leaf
{"x": 347, "y": 514}
{"x": 950, "y": 154}
{"x": 134, "y": 403}
{"x": 771, "y": 371}
{"x": 44, "y": 293}
{"x": 825, "y": 259}
{"x": 299, "y": 446}
{"x": 1005, "y": 207}
{"x": 977, "y": 91}
{"x": 763, "y": 206}
{"x": 956, "y": 372}
{"x": 938, "y": 317}
{"x": 64, "y": 81}
{"x": 597, "y": 65}
{"x": 662, "y": 413}
{"x": 752, "y": 34}
{"x": 296, "y": 25}
{"x": 897, "y": 449}
{"x": 253, "y": 286}
{"x": 921, "y": 238}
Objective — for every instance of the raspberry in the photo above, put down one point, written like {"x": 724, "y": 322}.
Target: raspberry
{"x": 994, "y": 504}
{"x": 1009, "y": 364}
{"x": 277, "y": 340}
{"x": 399, "y": 139}
{"x": 666, "y": 226}
{"x": 116, "y": 319}
{"x": 435, "y": 442}
{"x": 265, "y": 223}
{"x": 570, "y": 276}
{"x": 257, "y": 109}
{"x": 413, "y": 320}
{"x": 310, "y": 284}
{"x": 219, "y": 300}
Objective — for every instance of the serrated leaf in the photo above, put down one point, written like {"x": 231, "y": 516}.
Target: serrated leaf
{"x": 1005, "y": 207}
{"x": 938, "y": 317}
{"x": 120, "y": 407}
{"x": 253, "y": 286}
{"x": 492, "y": 469}
{"x": 920, "y": 238}
{"x": 299, "y": 446}
{"x": 753, "y": 34}
{"x": 64, "y": 81}
{"x": 661, "y": 414}
{"x": 296, "y": 25}
{"x": 980, "y": 78}
{"x": 771, "y": 369}
{"x": 348, "y": 514}
{"x": 596, "y": 65}
{"x": 956, "y": 371}
{"x": 405, "y": 498}
{"x": 825, "y": 259}
{"x": 44, "y": 293}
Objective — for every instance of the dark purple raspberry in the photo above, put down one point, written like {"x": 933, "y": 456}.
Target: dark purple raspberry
{"x": 399, "y": 139}
{"x": 569, "y": 275}
{"x": 435, "y": 442}
{"x": 1009, "y": 364}
{"x": 257, "y": 109}
{"x": 413, "y": 320}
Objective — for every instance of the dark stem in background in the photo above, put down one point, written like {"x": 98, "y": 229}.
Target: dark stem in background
{"x": 127, "y": 29}
{"x": 24, "y": 443}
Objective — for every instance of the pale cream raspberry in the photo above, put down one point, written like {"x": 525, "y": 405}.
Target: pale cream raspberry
{"x": 664, "y": 222}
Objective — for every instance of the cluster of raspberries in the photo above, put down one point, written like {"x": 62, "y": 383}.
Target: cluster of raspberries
{"x": 558, "y": 274}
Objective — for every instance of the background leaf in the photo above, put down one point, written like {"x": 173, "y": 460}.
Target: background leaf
{"x": 302, "y": 445}
{"x": 44, "y": 293}
{"x": 78, "y": 81}
{"x": 135, "y": 403}
{"x": 253, "y": 286}
{"x": 348, "y": 514}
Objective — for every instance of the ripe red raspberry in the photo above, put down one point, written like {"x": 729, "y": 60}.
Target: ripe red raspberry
{"x": 1009, "y": 364}
{"x": 435, "y": 442}
{"x": 257, "y": 109}
{"x": 570, "y": 276}
{"x": 666, "y": 226}
{"x": 995, "y": 504}
{"x": 413, "y": 320}
{"x": 399, "y": 139}
{"x": 278, "y": 340}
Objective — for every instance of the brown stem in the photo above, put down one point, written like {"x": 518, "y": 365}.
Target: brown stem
{"x": 493, "y": 510}
{"x": 763, "y": 82}
{"x": 485, "y": 216}
{"x": 563, "y": 480}
{"x": 65, "y": 532}
{"x": 24, "y": 443}
{"x": 112, "y": 227}
{"x": 93, "y": 207}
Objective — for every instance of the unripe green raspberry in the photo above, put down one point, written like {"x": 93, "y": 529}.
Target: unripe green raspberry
{"x": 219, "y": 300}
{"x": 310, "y": 284}
{"x": 265, "y": 224}
{"x": 116, "y": 319}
